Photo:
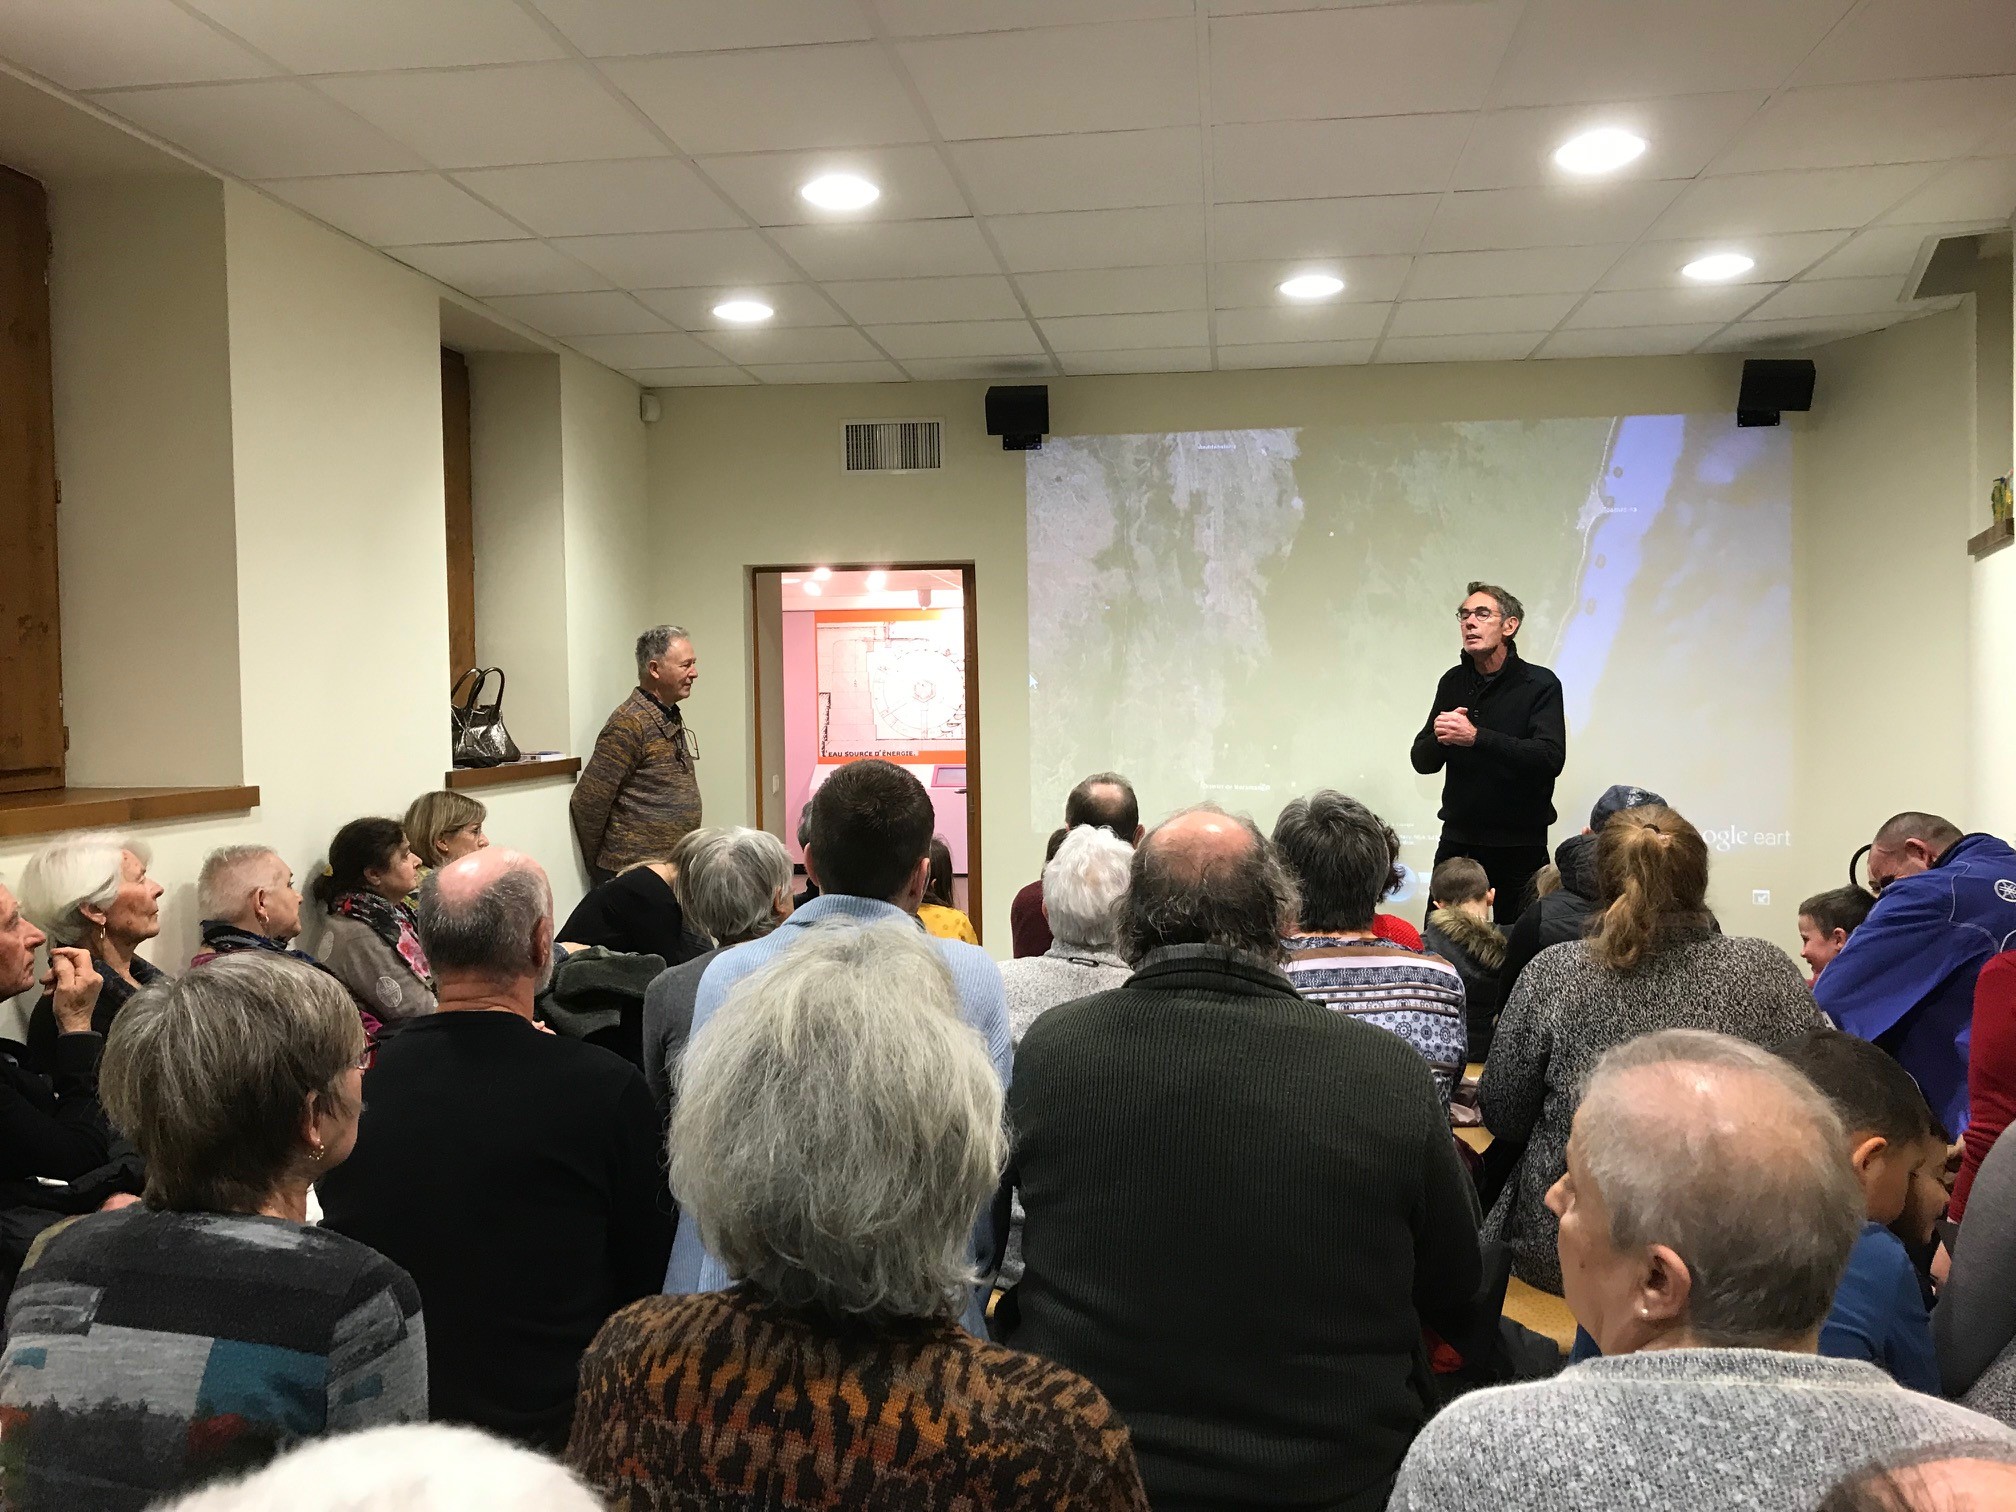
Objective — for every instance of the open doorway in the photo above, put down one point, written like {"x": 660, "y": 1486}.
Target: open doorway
{"x": 861, "y": 660}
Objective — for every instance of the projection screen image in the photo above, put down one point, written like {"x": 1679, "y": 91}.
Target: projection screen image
{"x": 1249, "y": 615}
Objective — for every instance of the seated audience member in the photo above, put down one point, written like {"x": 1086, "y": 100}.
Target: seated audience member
{"x": 513, "y": 1173}
{"x": 1084, "y": 885}
{"x": 1241, "y": 1207}
{"x": 248, "y": 901}
{"x": 636, "y": 911}
{"x": 1878, "y": 1314}
{"x": 1825, "y": 922}
{"x": 89, "y": 890}
{"x": 1705, "y": 1216}
{"x": 1391, "y": 926}
{"x": 811, "y": 891}
{"x": 1945, "y": 903}
{"x": 1652, "y": 960}
{"x": 426, "y": 1467}
{"x": 371, "y": 941}
{"x": 155, "y": 1347}
{"x": 1336, "y": 850}
{"x": 840, "y": 1128}
{"x": 1974, "y": 1325}
{"x": 1948, "y": 1478}
{"x": 1461, "y": 932}
{"x": 936, "y": 913}
{"x": 444, "y": 826}
{"x": 870, "y": 855}
{"x": 1571, "y": 891}
{"x": 1105, "y": 800}
{"x": 1991, "y": 1071}
{"x": 735, "y": 886}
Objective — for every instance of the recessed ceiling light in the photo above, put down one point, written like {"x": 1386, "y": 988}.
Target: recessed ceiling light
{"x": 1719, "y": 267}
{"x": 1313, "y": 286}
{"x": 1604, "y": 150}
{"x": 840, "y": 191}
{"x": 877, "y": 580}
{"x": 822, "y": 573}
{"x": 812, "y": 590}
{"x": 743, "y": 311}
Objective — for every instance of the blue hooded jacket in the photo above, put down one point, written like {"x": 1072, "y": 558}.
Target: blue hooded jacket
{"x": 1905, "y": 979}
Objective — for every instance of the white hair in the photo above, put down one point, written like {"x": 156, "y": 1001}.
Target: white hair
{"x": 1084, "y": 886}
{"x": 78, "y": 870}
{"x": 229, "y": 875}
{"x": 728, "y": 880}
{"x": 838, "y": 1127}
{"x": 414, "y": 1467}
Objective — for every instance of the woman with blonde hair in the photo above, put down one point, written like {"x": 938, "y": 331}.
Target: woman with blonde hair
{"x": 1653, "y": 959}
{"x": 444, "y": 826}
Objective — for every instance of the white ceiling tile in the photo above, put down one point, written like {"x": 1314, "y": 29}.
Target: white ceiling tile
{"x": 618, "y": 28}
{"x": 275, "y": 129}
{"x": 959, "y": 338}
{"x": 1267, "y": 325}
{"x": 1099, "y": 238}
{"x": 1114, "y": 291}
{"x": 915, "y": 183}
{"x": 1493, "y": 347}
{"x": 1124, "y": 76}
{"x": 714, "y": 377}
{"x": 1915, "y": 39}
{"x": 1794, "y": 335}
{"x": 362, "y": 35}
{"x": 888, "y": 249}
{"x": 679, "y": 259}
{"x": 1356, "y": 227}
{"x": 935, "y": 18}
{"x": 604, "y": 199}
{"x": 605, "y": 312}
{"x": 1144, "y": 360}
{"x": 658, "y": 349}
{"x": 1851, "y": 125}
{"x": 997, "y": 369}
{"x": 796, "y": 304}
{"x": 1511, "y": 148}
{"x": 1526, "y": 270}
{"x": 396, "y": 209}
{"x": 883, "y": 301}
{"x": 1285, "y": 160}
{"x": 829, "y": 372}
{"x": 1657, "y": 264}
{"x": 1112, "y": 333}
{"x": 800, "y": 344}
{"x": 488, "y": 117}
{"x": 1628, "y": 341}
{"x": 1822, "y": 199}
{"x": 1977, "y": 189}
{"x": 1552, "y": 215}
{"x": 1688, "y": 306}
{"x": 1357, "y": 61}
{"x": 1469, "y": 317}
{"x": 1884, "y": 252}
{"x": 1375, "y": 280}
{"x": 824, "y": 96}
{"x": 491, "y": 268}
{"x": 102, "y": 44}
{"x": 1571, "y": 50}
{"x": 1837, "y": 296}
{"x": 1294, "y": 354}
{"x": 1095, "y": 171}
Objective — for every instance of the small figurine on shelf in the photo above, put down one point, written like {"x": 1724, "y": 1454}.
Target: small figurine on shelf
{"x": 1998, "y": 501}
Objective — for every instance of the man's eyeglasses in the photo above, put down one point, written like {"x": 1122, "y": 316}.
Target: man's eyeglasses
{"x": 1480, "y": 615}
{"x": 1875, "y": 884}
{"x": 687, "y": 743}
{"x": 369, "y": 1058}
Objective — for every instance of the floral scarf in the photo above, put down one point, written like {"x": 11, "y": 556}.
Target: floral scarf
{"x": 391, "y": 922}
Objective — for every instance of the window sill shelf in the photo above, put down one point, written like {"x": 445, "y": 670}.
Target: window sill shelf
{"x": 464, "y": 778}
{"x": 1992, "y": 540}
{"x": 98, "y": 808}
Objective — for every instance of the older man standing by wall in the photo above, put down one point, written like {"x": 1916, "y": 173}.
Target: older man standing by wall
{"x": 638, "y": 793}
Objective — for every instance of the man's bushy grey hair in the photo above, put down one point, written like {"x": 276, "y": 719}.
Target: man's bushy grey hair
{"x": 1341, "y": 856}
{"x": 655, "y": 642}
{"x": 1747, "y": 1180}
{"x": 490, "y": 930}
{"x": 838, "y": 1128}
{"x": 77, "y": 870}
{"x": 230, "y": 873}
{"x": 1244, "y": 901}
{"x": 1084, "y": 886}
{"x": 727, "y": 881}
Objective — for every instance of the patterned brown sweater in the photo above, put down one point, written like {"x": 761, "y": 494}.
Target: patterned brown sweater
{"x": 638, "y": 794}
{"x": 723, "y": 1401}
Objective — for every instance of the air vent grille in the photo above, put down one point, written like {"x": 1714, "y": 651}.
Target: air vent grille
{"x": 893, "y": 445}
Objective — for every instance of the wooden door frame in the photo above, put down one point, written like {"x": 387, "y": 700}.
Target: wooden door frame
{"x": 970, "y": 611}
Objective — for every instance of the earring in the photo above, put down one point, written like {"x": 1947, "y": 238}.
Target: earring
{"x": 316, "y": 1152}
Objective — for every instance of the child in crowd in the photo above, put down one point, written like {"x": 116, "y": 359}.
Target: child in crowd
{"x": 1825, "y": 922}
{"x": 1460, "y": 930}
{"x": 1897, "y": 1150}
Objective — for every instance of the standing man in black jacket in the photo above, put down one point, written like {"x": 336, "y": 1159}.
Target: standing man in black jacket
{"x": 1498, "y": 730}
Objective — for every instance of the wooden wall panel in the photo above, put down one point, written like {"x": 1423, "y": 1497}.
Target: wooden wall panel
{"x": 461, "y": 513}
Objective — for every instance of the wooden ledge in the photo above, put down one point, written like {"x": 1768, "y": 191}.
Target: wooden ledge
{"x": 463, "y": 778}
{"x": 100, "y": 808}
{"x": 1994, "y": 538}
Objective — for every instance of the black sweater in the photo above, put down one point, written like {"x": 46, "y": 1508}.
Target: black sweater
{"x": 636, "y": 912}
{"x": 1240, "y": 1209}
{"x": 1499, "y": 791}
{"x": 52, "y": 1126}
{"x": 515, "y": 1176}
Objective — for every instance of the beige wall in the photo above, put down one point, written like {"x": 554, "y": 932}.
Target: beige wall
{"x": 1994, "y": 577}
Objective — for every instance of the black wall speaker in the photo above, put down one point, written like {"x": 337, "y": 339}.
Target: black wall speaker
{"x": 1772, "y": 386}
{"x": 1019, "y": 414}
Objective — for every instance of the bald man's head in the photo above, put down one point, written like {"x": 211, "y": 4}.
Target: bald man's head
{"x": 490, "y": 913}
{"x": 1206, "y": 877}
